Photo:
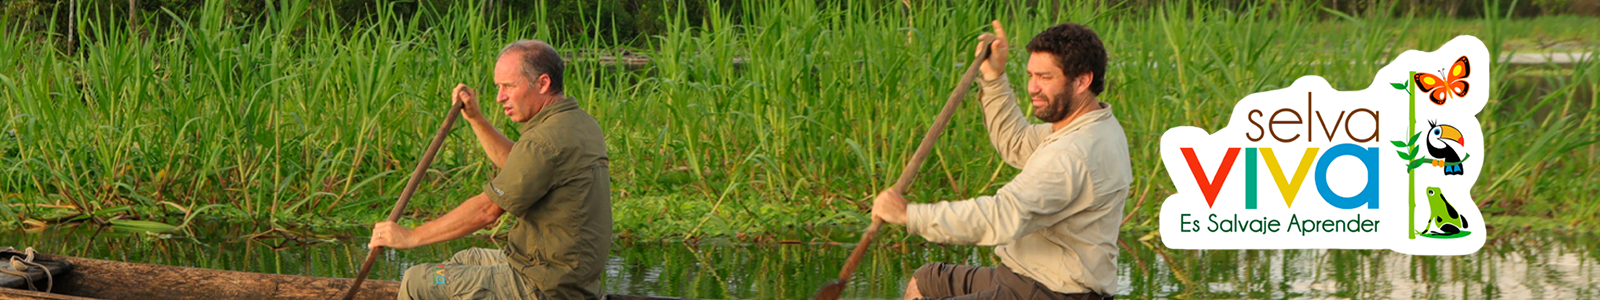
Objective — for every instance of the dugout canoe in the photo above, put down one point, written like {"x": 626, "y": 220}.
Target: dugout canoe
{"x": 86, "y": 278}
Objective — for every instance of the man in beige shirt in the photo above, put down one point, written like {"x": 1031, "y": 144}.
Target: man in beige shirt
{"x": 1055, "y": 225}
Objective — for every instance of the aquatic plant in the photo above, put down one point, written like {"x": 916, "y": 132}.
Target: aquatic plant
{"x": 777, "y": 117}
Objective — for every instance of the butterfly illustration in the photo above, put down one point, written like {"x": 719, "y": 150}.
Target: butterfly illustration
{"x": 1453, "y": 84}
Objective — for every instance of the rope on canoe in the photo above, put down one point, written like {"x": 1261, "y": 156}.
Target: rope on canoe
{"x": 19, "y": 267}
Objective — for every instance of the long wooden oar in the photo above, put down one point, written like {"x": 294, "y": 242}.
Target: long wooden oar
{"x": 833, "y": 290}
{"x": 405, "y": 195}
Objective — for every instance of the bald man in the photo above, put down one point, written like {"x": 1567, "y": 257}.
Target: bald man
{"x": 554, "y": 179}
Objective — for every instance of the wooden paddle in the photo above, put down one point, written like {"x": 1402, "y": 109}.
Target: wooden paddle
{"x": 833, "y": 290}
{"x": 405, "y": 195}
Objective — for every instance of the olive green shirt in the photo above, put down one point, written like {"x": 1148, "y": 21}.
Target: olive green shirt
{"x": 557, "y": 184}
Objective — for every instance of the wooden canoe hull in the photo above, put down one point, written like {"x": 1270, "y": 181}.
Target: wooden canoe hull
{"x": 103, "y": 279}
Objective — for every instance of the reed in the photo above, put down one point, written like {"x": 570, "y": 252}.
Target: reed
{"x": 779, "y": 117}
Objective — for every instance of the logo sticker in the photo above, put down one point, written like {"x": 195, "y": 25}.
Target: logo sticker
{"x": 438, "y": 275}
{"x": 1307, "y": 166}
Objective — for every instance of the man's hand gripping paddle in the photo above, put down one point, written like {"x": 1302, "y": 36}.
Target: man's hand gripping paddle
{"x": 405, "y": 195}
{"x": 833, "y": 290}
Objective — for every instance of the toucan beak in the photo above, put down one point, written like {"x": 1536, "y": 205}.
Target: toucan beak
{"x": 1450, "y": 133}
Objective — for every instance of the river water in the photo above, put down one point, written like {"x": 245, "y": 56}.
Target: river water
{"x": 1543, "y": 265}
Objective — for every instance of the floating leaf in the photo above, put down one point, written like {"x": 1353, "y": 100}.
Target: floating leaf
{"x": 141, "y": 226}
{"x": 1398, "y": 86}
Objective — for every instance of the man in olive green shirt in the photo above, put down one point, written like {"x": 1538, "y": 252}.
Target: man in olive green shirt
{"x": 554, "y": 180}
{"x": 1054, "y": 226}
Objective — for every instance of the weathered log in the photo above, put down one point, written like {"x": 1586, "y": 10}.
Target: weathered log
{"x": 104, "y": 279}
{"x": 91, "y": 279}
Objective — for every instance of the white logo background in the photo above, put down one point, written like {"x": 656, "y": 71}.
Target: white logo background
{"x": 1346, "y": 175}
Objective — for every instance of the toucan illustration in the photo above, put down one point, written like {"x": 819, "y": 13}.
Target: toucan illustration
{"x": 1446, "y": 145}
{"x": 1443, "y": 215}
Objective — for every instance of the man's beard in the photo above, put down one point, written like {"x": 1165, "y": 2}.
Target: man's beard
{"x": 1056, "y": 107}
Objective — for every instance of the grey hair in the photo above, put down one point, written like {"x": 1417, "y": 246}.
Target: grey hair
{"x": 538, "y": 58}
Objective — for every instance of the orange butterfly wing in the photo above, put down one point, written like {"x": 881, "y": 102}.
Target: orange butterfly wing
{"x": 1441, "y": 89}
{"x": 1458, "y": 71}
{"x": 1433, "y": 85}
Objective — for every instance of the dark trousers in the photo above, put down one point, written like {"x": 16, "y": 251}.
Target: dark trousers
{"x": 951, "y": 281}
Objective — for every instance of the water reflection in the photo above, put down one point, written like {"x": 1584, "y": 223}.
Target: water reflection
{"x": 1510, "y": 266}
{"x": 1545, "y": 266}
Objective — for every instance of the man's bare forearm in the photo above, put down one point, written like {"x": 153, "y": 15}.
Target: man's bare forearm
{"x": 474, "y": 214}
{"x": 495, "y": 144}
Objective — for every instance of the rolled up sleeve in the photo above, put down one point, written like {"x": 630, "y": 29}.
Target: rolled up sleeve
{"x": 528, "y": 175}
{"x": 1009, "y": 130}
{"x": 1039, "y": 197}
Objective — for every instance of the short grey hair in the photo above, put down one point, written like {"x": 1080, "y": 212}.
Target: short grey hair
{"x": 538, "y": 58}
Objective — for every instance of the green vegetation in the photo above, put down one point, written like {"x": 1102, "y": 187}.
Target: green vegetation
{"x": 638, "y": 20}
{"x": 777, "y": 118}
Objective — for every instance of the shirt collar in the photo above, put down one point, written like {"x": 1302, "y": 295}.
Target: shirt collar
{"x": 563, "y": 105}
{"x": 1102, "y": 114}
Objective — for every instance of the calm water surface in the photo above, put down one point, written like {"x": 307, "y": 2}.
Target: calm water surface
{"x": 1510, "y": 266}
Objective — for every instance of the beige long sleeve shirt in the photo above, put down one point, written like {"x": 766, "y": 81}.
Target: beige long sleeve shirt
{"x": 1057, "y": 221}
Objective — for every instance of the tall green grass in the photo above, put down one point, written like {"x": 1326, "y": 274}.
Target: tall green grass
{"x": 781, "y": 117}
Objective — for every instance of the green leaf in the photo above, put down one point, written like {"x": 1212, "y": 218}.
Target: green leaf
{"x": 1403, "y": 155}
{"x": 1413, "y": 151}
{"x": 141, "y": 226}
{"x": 1399, "y": 144}
{"x": 1415, "y": 163}
{"x": 1398, "y": 86}
{"x": 1463, "y": 159}
{"x": 1414, "y": 139}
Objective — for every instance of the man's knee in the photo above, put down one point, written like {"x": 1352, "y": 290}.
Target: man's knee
{"x": 923, "y": 275}
{"x": 479, "y": 257}
{"x": 927, "y": 271}
{"x": 416, "y": 272}
{"x": 466, "y": 257}
{"x": 415, "y": 278}
{"x": 911, "y": 290}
